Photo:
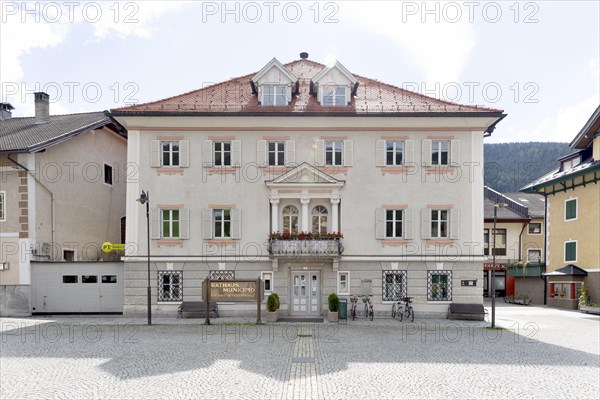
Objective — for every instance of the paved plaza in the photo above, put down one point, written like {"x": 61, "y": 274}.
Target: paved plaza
{"x": 543, "y": 353}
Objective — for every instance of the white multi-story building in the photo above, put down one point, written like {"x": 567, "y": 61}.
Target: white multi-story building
{"x": 304, "y": 147}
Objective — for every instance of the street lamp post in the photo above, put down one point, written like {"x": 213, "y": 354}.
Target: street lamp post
{"x": 493, "y": 288}
{"x": 145, "y": 199}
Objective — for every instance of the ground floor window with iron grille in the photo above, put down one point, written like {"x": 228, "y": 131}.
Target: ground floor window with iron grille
{"x": 394, "y": 285}
{"x": 439, "y": 285}
{"x": 170, "y": 285}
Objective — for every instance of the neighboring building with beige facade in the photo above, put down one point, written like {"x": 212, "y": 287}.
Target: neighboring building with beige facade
{"x": 573, "y": 218}
{"x": 62, "y": 193}
{"x": 303, "y": 147}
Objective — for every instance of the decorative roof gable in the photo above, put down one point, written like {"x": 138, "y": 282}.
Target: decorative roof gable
{"x": 324, "y": 76}
{"x": 305, "y": 174}
{"x": 274, "y": 64}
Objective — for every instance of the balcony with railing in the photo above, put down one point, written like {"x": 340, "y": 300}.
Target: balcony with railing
{"x": 305, "y": 244}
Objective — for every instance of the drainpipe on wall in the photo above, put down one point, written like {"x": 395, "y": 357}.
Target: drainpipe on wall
{"x": 52, "y": 221}
{"x": 521, "y": 241}
{"x": 545, "y": 244}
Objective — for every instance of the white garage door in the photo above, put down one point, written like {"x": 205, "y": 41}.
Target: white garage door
{"x": 77, "y": 287}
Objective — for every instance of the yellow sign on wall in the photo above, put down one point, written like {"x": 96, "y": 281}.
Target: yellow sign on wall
{"x": 107, "y": 247}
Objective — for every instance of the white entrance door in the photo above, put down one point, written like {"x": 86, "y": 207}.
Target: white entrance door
{"x": 305, "y": 293}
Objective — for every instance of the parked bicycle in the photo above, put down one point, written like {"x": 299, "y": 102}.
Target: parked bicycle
{"x": 368, "y": 310}
{"x": 353, "y": 303}
{"x": 368, "y": 306}
{"x": 403, "y": 308}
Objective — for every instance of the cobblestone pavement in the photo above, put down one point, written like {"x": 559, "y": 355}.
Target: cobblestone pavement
{"x": 545, "y": 353}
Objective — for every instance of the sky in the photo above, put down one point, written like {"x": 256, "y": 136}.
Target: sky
{"x": 539, "y": 61}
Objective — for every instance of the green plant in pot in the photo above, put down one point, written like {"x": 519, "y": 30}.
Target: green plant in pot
{"x": 272, "y": 307}
{"x": 333, "y": 304}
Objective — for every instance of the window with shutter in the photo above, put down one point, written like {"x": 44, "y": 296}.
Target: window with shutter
{"x": 570, "y": 209}
{"x": 571, "y": 251}
{"x": 334, "y": 150}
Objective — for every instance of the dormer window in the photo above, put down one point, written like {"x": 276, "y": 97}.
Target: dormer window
{"x": 570, "y": 163}
{"x": 274, "y": 96}
{"x": 334, "y": 96}
{"x": 334, "y": 86}
{"x": 274, "y": 85}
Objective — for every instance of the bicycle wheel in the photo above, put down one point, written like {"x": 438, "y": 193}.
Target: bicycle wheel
{"x": 371, "y": 313}
{"x": 394, "y": 311}
{"x": 401, "y": 315}
{"x": 407, "y": 311}
{"x": 353, "y": 313}
{"x": 412, "y": 315}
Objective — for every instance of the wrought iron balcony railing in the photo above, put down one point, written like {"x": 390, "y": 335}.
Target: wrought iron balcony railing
{"x": 295, "y": 247}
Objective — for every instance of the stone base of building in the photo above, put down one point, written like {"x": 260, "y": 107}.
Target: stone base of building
{"x": 303, "y": 286}
{"x": 15, "y": 300}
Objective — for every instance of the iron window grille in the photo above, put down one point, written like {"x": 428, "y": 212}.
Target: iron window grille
{"x": 439, "y": 285}
{"x": 222, "y": 275}
{"x": 170, "y": 285}
{"x": 394, "y": 285}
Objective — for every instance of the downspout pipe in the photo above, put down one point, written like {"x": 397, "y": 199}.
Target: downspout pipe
{"x": 521, "y": 240}
{"x": 52, "y": 216}
{"x": 545, "y": 245}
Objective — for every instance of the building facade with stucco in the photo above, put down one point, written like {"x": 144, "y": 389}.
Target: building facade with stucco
{"x": 316, "y": 180}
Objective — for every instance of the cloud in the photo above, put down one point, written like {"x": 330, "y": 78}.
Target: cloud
{"x": 26, "y": 27}
{"x": 440, "y": 48}
{"x": 562, "y": 126}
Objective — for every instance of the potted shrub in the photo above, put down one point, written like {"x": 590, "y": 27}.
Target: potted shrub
{"x": 272, "y": 307}
{"x": 333, "y": 302}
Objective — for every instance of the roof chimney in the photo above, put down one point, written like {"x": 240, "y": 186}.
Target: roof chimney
{"x": 304, "y": 55}
{"x": 5, "y": 111}
{"x": 42, "y": 107}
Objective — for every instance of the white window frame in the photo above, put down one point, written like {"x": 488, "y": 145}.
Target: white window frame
{"x": 439, "y": 152}
{"x": 262, "y": 277}
{"x": 339, "y": 99}
{"x": 222, "y": 152}
{"x": 161, "y": 273}
{"x": 529, "y": 228}
{"x": 394, "y": 221}
{"x": 394, "y": 151}
{"x": 274, "y": 95}
{"x": 289, "y": 215}
{"x": 112, "y": 174}
{"x": 565, "y": 251}
{"x": 320, "y": 213}
{"x": 2, "y": 206}
{"x": 575, "y": 199}
{"x": 334, "y": 150}
{"x": 339, "y": 280}
{"x": 223, "y": 221}
{"x": 171, "y": 220}
{"x": 279, "y": 148}
{"x": 170, "y": 152}
{"x": 539, "y": 258}
{"x": 439, "y": 223}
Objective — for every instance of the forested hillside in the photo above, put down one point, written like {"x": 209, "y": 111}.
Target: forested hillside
{"x": 510, "y": 166}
